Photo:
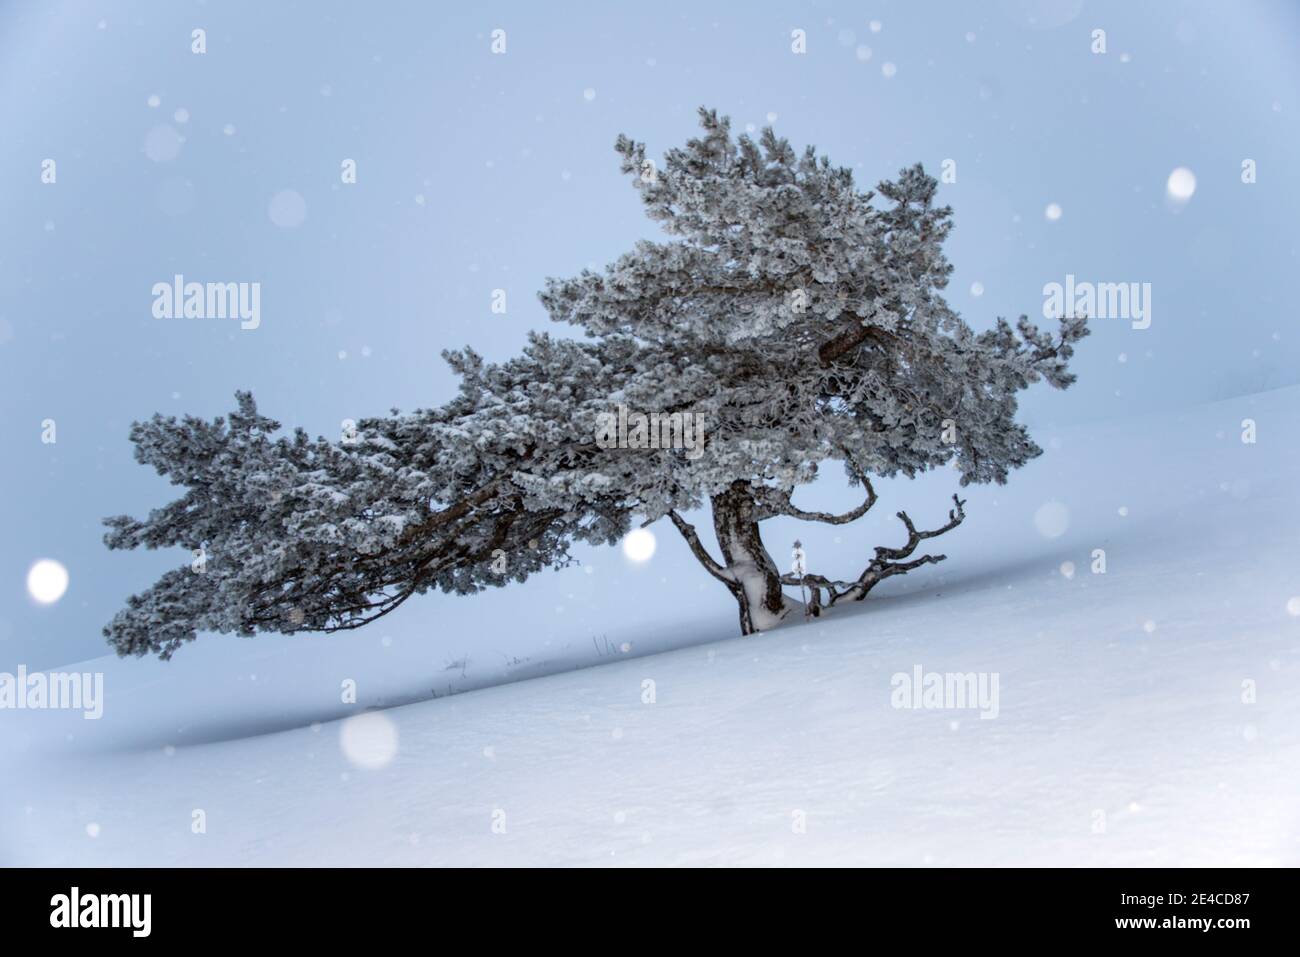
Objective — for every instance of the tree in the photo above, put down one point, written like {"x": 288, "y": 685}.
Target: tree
{"x": 795, "y": 320}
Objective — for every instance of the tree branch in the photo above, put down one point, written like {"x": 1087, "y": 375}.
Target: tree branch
{"x": 890, "y": 561}
{"x": 778, "y": 502}
{"x": 850, "y": 339}
{"x": 697, "y": 547}
{"x": 955, "y": 517}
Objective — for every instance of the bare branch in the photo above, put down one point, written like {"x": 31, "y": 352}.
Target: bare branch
{"x": 697, "y": 547}
{"x": 899, "y": 568}
{"x": 890, "y": 561}
{"x": 780, "y": 504}
{"x": 777, "y": 501}
{"x": 955, "y": 517}
{"x": 811, "y": 580}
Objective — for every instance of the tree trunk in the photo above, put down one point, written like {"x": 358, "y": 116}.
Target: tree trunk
{"x": 750, "y": 574}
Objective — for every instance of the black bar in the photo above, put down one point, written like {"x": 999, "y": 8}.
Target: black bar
{"x": 365, "y": 906}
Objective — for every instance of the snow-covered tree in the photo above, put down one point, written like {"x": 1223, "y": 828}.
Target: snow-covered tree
{"x": 798, "y": 320}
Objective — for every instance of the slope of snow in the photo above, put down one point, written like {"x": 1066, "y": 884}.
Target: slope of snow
{"x": 1123, "y": 700}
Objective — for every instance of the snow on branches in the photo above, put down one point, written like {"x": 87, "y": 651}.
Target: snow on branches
{"x": 800, "y": 319}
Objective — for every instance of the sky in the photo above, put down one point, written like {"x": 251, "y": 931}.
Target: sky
{"x": 479, "y": 171}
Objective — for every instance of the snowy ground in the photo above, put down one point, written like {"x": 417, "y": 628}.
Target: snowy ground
{"x": 1119, "y": 694}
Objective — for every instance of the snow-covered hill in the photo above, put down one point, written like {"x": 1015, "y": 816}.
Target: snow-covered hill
{"x": 1149, "y": 715}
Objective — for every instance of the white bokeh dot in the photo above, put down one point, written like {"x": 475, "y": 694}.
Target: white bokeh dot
{"x": 162, "y": 144}
{"x": 288, "y": 209}
{"x": 47, "y": 580}
{"x": 1181, "y": 184}
{"x": 368, "y": 740}
{"x": 1052, "y": 519}
{"x": 639, "y": 545}
{"x": 1052, "y": 212}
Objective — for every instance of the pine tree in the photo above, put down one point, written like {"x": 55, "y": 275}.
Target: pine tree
{"x": 798, "y": 320}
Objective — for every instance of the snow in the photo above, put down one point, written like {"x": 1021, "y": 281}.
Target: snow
{"x": 47, "y": 580}
{"x": 1181, "y": 184}
{"x": 639, "y": 545}
{"x": 288, "y": 209}
{"x": 163, "y": 143}
{"x": 1052, "y": 519}
{"x": 1123, "y": 735}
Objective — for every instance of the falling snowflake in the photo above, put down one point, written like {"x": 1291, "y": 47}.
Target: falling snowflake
{"x": 368, "y": 740}
{"x": 1181, "y": 185}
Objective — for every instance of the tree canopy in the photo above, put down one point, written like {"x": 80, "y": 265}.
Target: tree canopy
{"x": 800, "y": 318}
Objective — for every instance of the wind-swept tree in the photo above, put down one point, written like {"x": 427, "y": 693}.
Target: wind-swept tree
{"x": 796, "y": 320}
